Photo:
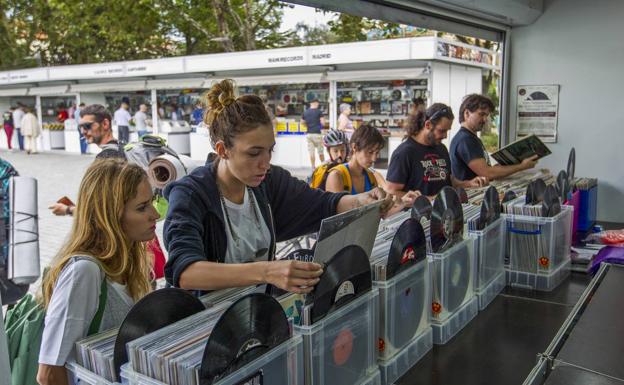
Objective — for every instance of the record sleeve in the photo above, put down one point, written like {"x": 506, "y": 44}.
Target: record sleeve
{"x": 447, "y": 220}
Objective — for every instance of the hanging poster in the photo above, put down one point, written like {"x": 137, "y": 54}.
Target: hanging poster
{"x": 537, "y": 112}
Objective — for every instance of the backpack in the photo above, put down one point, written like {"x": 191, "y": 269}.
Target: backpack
{"x": 24, "y": 329}
{"x": 318, "y": 179}
{"x": 10, "y": 292}
{"x": 346, "y": 177}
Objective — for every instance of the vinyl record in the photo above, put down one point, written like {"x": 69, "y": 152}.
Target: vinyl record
{"x": 458, "y": 278}
{"x": 447, "y": 220}
{"x": 563, "y": 185}
{"x": 551, "y": 204}
{"x": 535, "y": 192}
{"x": 346, "y": 276}
{"x": 286, "y": 98}
{"x": 571, "y": 165}
{"x": 509, "y": 196}
{"x": 490, "y": 208}
{"x": 397, "y": 95}
{"x": 253, "y": 325}
{"x": 409, "y": 246}
{"x": 461, "y": 193}
{"x": 154, "y": 311}
{"x": 422, "y": 209}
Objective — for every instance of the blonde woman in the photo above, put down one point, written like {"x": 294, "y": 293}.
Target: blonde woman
{"x": 113, "y": 219}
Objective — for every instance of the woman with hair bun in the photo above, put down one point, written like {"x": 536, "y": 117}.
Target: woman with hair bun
{"x": 225, "y": 217}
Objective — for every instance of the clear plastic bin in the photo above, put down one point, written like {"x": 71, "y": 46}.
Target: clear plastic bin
{"x": 282, "y": 365}
{"x": 490, "y": 250}
{"x": 374, "y": 378}
{"x": 391, "y": 370}
{"x": 79, "y": 375}
{"x": 487, "y": 295}
{"x": 341, "y": 348}
{"x": 541, "y": 282}
{"x": 404, "y": 306}
{"x": 443, "y": 332}
{"x": 539, "y": 245}
{"x": 452, "y": 279}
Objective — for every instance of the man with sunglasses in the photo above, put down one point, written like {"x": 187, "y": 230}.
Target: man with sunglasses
{"x": 95, "y": 126}
{"x": 422, "y": 162}
{"x": 468, "y": 154}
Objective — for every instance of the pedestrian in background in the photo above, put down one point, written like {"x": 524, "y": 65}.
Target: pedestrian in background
{"x": 8, "y": 126}
{"x": 18, "y": 115}
{"x": 314, "y": 120}
{"x": 122, "y": 118}
{"x": 31, "y": 131}
{"x": 344, "y": 122}
{"x": 140, "y": 120}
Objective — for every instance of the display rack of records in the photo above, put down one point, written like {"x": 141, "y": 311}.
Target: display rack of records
{"x": 403, "y": 279}
{"x": 453, "y": 269}
{"x": 539, "y": 236}
{"x": 486, "y": 225}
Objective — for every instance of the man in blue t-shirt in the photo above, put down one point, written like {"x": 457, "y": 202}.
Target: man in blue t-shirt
{"x": 422, "y": 162}
{"x": 314, "y": 120}
{"x": 469, "y": 158}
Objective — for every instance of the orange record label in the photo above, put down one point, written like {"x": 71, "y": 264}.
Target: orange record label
{"x": 343, "y": 347}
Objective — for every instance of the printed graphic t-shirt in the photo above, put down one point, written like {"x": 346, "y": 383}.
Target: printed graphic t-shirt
{"x": 419, "y": 167}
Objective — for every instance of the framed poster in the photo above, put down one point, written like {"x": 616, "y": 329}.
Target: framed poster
{"x": 537, "y": 111}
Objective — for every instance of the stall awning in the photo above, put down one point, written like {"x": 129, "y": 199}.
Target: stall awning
{"x": 138, "y": 85}
{"x": 171, "y": 84}
{"x": 49, "y": 91}
{"x": 371, "y": 75}
{"x": 275, "y": 79}
{"x": 14, "y": 92}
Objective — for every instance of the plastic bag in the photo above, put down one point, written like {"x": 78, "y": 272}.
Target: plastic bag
{"x": 608, "y": 237}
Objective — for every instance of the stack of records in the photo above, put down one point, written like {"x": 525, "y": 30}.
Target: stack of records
{"x": 95, "y": 353}
{"x": 477, "y": 218}
{"x": 226, "y": 295}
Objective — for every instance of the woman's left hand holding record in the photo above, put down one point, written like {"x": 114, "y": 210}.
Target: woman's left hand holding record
{"x": 293, "y": 276}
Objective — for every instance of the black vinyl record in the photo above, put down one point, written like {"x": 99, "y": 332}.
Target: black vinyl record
{"x": 346, "y": 276}
{"x": 551, "y": 204}
{"x": 421, "y": 209}
{"x": 509, "y": 196}
{"x": 535, "y": 192}
{"x": 490, "y": 208}
{"x": 563, "y": 185}
{"x": 571, "y": 165}
{"x": 252, "y": 326}
{"x": 409, "y": 246}
{"x": 462, "y": 194}
{"x": 154, "y": 311}
{"x": 447, "y": 220}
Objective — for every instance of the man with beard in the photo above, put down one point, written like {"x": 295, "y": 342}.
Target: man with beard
{"x": 422, "y": 162}
{"x": 469, "y": 158}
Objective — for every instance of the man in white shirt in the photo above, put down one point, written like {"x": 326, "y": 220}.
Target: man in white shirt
{"x": 18, "y": 115}
{"x": 140, "y": 120}
{"x": 122, "y": 118}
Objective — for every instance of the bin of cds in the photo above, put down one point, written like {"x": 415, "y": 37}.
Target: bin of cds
{"x": 401, "y": 274}
{"x": 538, "y": 248}
{"x": 490, "y": 250}
{"x": 454, "y": 303}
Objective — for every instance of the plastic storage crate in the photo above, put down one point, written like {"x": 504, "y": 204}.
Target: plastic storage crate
{"x": 541, "y": 282}
{"x": 404, "y": 303}
{"x": 341, "y": 348}
{"x": 79, "y": 375}
{"x": 490, "y": 256}
{"x": 391, "y": 370}
{"x": 588, "y": 206}
{"x": 453, "y": 279}
{"x": 282, "y": 365}
{"x": 539, "y": 245}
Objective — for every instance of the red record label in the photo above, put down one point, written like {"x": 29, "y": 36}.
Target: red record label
{"x": 436, "y": 308}
{"x": 408, "y": 254}
{"x": 343, "y": 347}
{"x": 544, "y": 261}
{"x": 381, "y": 345}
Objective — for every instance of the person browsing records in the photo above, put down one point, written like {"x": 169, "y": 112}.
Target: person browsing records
{"x": 422, "y": 162}
{"x": 469, "y": 157}
{"x": 225, "y": 217}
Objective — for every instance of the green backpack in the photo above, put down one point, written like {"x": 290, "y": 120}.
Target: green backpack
{"x": 24, "y": 328}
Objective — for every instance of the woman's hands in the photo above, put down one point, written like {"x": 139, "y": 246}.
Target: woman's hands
{"x": 293, "y": 276}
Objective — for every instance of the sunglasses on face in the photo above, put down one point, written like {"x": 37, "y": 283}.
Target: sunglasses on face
{"x": 86, "y": 126}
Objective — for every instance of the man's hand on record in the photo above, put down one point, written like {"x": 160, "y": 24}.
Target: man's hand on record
{"x": 478, "y": 181}
{"x": 293, "y": 276}
{"x": 410, "y": 197}
{"x": 59, "y": 209}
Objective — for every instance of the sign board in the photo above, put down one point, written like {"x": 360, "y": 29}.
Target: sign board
{"x": 537, "y": 111}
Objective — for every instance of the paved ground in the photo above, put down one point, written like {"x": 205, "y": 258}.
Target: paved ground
{"x": 59, "y": 173}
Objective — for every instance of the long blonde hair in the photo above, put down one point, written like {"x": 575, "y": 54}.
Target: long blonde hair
{"x": 97, "y": 231}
